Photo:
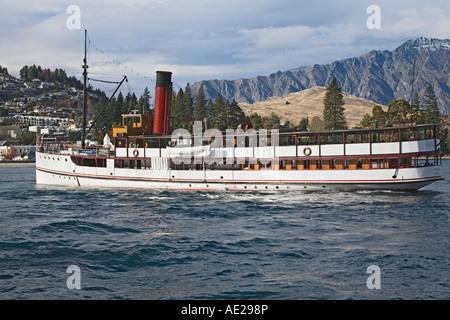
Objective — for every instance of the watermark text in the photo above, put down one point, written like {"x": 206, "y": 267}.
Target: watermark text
{"x": 374, "y": 20}
{"x": 74, "y": 20}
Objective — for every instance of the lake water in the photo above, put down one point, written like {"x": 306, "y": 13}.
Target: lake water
{"x": 162, "y": 245}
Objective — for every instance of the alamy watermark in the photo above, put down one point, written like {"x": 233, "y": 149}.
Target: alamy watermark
{"x": 74, "y": 280}
{"x": 210, "y": 148}
{"x": 374, "y": 281}
{"x": 74, "y": 20}
{"x": 374, "y": 20}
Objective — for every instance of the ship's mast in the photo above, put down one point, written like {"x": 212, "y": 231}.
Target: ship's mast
{"x": 85, "y": 66}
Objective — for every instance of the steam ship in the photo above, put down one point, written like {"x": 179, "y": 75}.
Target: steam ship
{"x": 147, "y": 154}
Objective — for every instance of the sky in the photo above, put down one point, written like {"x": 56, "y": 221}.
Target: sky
{"x": 205, "y": 39}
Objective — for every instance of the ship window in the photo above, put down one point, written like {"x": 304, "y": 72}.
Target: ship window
{"x": 429, "y": 133}
{"x": 121, "y": 143}
{"x": 118, "y": 163}
{"x": 287, "y": 140}
{"x": 151, "y": 143}
{"x": 376, "y": 137}
{"x": 421, "y": 134}
{"x": 88, "y": 162}
{"x": 392, "y": 163}
{"x": 394, "y": 136}
{"x": 308, "y": 140}
{"x": 362, "y": 137}
{"x": 350, "y": 138}
{"x": 101, "y": 163}
{"x": 405, "y": 162}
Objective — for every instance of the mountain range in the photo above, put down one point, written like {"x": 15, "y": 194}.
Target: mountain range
{"x": 379, "y": 76}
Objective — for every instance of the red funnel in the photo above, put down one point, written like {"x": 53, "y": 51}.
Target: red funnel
{"x": 163, "y": 95}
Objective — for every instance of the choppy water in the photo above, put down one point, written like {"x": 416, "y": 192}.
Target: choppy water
{"x": 184, "y": 245}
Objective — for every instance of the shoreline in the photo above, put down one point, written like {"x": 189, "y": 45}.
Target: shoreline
{"x": 17, "y": 163}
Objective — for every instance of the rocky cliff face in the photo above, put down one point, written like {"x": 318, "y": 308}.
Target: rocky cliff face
{"x": 379, "y": 76}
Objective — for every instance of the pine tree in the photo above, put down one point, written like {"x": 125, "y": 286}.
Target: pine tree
{"x": 379, "y": 114}
{"x": 200, "y": 105}
{"x": 271, "y": 122}
{"x": 188, "y": 103}
{"x": 432, "y": 114}
{"x": 4, "y": 70}
{"x": 210, "y": 115}
{"x": 316, "y": 124}
{"x": 218, "y": 113}
{"x": 303, "y": 124}
{"x": 236, "y": 116}
{"x": 175, "y": 108}
{"x": 416, "y": 114}
{"x": 398, "y": 111}
{"x": 186, "y": 108}
{"x": 256, "y": 121}
{"x": 133, "y": 102}
{"x": 333, "y": 111}
{"x": 144, "y": 101}
{"x": 367, "y": 118}
{"x": 24, "y": 72}
{"x": 117, "y": 118}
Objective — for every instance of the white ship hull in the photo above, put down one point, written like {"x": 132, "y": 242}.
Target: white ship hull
{"x": 57, "y": 169}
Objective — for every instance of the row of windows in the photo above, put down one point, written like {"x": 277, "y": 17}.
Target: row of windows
{"x": 282, "y": 139}
{"x": 339, "y": 164}
{"x": 89, "y": 162}
{"x": 312, "y": 164}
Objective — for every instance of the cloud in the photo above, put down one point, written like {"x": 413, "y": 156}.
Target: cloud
{"x": 427, "y": 22}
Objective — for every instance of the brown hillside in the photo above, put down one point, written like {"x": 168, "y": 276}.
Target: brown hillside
{"x": 309, "y": 103}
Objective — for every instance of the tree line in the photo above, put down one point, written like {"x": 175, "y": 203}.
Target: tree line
{"x": 419, "y": 111}
{"x": 4, "y": 71}
{"x": 218, "y": 114}
{"x": 29, "y": 73}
